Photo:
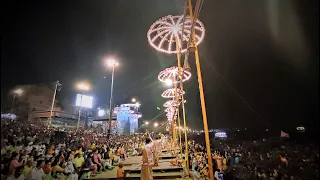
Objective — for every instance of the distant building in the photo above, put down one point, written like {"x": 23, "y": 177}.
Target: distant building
{"x": 127, "y": 118}
{"x": 124, "y": 119}
{"x": 34, "y": 98}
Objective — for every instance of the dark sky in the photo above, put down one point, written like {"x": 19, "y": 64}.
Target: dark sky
{"x": 268, "y": 51}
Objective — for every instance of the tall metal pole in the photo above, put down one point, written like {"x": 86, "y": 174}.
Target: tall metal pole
{"x": 78, "y": 124}
{"x": 177, "y": 111}
{"x": 14, "y": 98}
{"x": 53, "y": 100}
{"x": 179, "y": 131}
{"x": 180, "y": 78}
{"x": 203, "y": 104}
{"x": 111, "y": 109}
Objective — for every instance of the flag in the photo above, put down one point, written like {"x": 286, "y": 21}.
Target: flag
{"x": 284, "y": 135}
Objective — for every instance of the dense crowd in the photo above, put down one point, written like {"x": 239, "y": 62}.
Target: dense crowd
{"x": 34, "y": 151}
{"x": 265, "y": 159}
{"x": 31, "y": 151}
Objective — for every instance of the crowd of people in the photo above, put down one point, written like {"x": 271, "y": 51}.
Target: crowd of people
{"x": 264, "y": 159}
{"x": 31, "y": 151}
{"x": 35, "y": 152}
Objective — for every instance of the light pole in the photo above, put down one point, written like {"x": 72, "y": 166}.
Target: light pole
{"x": 202, "y": 99}
{"x": 82, "y": 86}
{"x": 111, "y": 63}
{"x": 146, "y": 123}
{"x": 56, "y": 84}
{"x": 15, "y": 93}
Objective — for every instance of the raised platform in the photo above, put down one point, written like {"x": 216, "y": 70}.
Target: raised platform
{"x": 164, "y": 166}
{"x": 155, "y": 175}
{"x": 133, "y": 167}
{"x": 170, "y": 150}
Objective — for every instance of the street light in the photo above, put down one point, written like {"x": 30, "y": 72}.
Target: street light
{"x": 82, "y": 87}
{"x": 16, "y": 92}
{"x": 57, "y": 87}
{"x": 156, "y": 124}
{"x": 111, "y": 63}
{"x": 146, "y": 123}
{"x": 133, "y": 100}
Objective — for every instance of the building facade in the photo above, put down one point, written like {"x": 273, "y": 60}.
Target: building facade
{"x": 127, "y": 118}
{"x": 34, "y": 98}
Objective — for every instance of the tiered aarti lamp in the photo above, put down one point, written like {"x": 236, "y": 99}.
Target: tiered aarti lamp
{"x": 170, "y": 35}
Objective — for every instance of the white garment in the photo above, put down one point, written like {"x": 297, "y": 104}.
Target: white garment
{"x": 3, "y": 151}
{"x": 21, "y": 177}
{"x": 18, "y": 148}
{"x": 28, "y": 148}
{"x": 36, "y": 174}
{"x": 196, "y": 175}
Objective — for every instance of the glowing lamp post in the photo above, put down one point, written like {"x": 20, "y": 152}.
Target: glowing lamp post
{"x": 111, "y": 63}
{"x": 146, "y": 123}
{"x": 83, "y": 87}
{"x": 56, "y": 85}
{"x": 16, "y": 92}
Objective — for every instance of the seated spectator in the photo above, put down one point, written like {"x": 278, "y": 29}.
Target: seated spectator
{"x": 78, "y": 162}
{"x": 27, "y": 168}
{"x": 120, "y": 172}
{"x": 18, "y": 174}
{"x": 37, "y": 172}
{"x": 14, "y": 163}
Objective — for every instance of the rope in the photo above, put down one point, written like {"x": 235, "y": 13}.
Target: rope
{"x": 242, "y": 99}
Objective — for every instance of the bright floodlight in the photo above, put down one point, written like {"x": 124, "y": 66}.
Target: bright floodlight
{"x": 84, "y": 101}
{"x": 133, "y": 100}
{"x": 156, "y": 124}
{"x": 18, "y": 91}
{"x": 101, "y": 112}
{"x": 164, "y": 33}
{"x": 170, "y": 93}
{"x": 112, "y": 63}
{"x": 83, "y": 86}
{"x": 146, "y": 122}
{"x": 170, "y": 75}
{"x": 168, "y": 82}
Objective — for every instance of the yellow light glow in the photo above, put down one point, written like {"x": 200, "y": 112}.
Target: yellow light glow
{"x": 133, "y": 100}
{"x": 168, "y": 82}
{"x": 18, "y": 91}
{"x": 82, "y": 86}
{"x": 112, "y": 63}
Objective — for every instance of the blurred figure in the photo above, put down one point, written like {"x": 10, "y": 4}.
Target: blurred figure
{"x": 120, "y": 172}
{"x": 18, "y": 174}
{"x": 147, "y": 158}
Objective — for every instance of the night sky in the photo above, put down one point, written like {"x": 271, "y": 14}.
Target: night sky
{"x": 267, "y": 52}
